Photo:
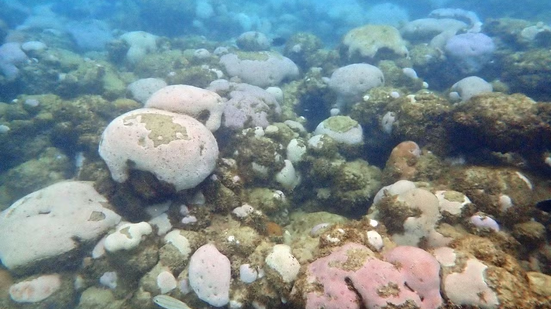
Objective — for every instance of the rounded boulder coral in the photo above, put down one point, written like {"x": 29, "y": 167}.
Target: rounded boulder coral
{"x": 175, "y": 148}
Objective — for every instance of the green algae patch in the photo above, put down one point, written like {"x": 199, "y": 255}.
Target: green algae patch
{"x": 340, "y": 124}
{"x": 162, "y": 129}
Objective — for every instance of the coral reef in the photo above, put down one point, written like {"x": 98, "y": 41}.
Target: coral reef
{"x": 346, "y": 165}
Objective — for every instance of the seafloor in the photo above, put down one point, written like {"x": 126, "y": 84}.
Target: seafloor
{"x": 281, "y": 176}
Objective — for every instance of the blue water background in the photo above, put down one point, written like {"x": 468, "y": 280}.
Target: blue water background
{"x": 223, "y": 20}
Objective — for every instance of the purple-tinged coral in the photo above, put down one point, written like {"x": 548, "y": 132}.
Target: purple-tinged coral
{"x": 11, "y": 55}
{"x": 470, "y": 51}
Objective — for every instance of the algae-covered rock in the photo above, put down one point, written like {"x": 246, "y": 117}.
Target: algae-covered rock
{"x": 502, "y": 123}
{"x": 308, "y": 97}
{"x": 425, "y": 57}
{"x": 268, "y": 200}
{"x": 50, "y": 167}
{"x": 530, "y": 233}
{"x": 305, "y": 230}
{"x": 507, "y": 30}
{"x": 504, "y": 193}
{"x": 160, "y": 64}
{"x": 370, "y": 110}
{"x": 301, "y": 48}
{"x": 69, "y": 75}
{"x": 113, "y": 84}
{"x": 223, "y": 199}
{"x": 395, "y": 76}
{"x": 177, "y": 249}
{"x": 355, "y": 184}
{"x": 339, "y": 186}
{"x": 529, "y": 72}
{"x": 86, "y": 79}
{"x": 258, "y": 158}
{"x": 540, "y": 283}
{"x": 38, "y": 122}
{"x": 96, "y": 298}
{"x": 197, "y": 75}
{"x": 78, "y": 123}
{"x": 424, "y": 118}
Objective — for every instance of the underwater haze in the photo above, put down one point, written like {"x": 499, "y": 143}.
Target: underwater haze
{"x": 275, "y": 154}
